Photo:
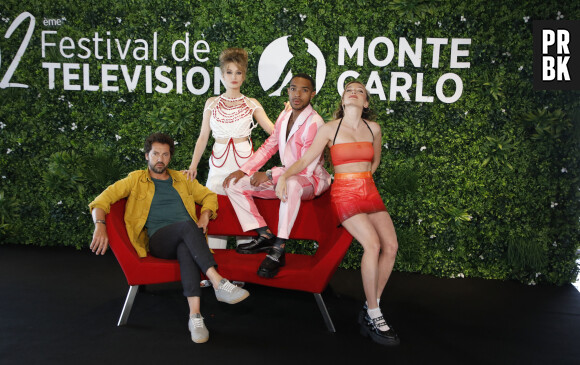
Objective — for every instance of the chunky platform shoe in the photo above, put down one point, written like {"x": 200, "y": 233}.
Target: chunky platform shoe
{"x": 371, "y": 328}
{"x": 258, "y": 244}
{"x": 271, "y": 265}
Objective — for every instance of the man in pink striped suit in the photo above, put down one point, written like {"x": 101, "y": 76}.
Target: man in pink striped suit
{"x": 293, "y": 134}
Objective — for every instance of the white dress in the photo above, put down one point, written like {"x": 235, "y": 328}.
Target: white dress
{"x": 230, "y": 118}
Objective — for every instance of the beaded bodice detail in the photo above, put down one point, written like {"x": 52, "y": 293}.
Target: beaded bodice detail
{"x": 232, "y": 118}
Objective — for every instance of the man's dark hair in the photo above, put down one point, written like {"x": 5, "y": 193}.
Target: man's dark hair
{"x": 159, "y": 138}
{"x": 307, "y": 77}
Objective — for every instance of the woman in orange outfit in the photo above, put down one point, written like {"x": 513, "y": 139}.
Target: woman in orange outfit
{"x": 355, "y": 148}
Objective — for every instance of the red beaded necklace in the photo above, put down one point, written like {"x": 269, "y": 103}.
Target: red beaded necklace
{"x": 225, "y": 113}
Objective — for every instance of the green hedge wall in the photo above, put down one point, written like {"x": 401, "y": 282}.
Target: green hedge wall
{"x": 487, "y": 186}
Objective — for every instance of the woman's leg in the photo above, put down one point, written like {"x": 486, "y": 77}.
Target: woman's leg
{"x": 363, "y": 230}
{"x": 376, "y": 266}
{"x": 388, "y": 238}
{"x": 216, "y": 176}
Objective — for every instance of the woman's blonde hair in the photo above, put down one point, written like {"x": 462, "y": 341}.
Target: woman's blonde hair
{"x": 239, "y": 56}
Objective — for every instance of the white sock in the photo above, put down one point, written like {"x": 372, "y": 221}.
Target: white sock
{"x": 376, "y": 313}
{"x": 378, "y": 302}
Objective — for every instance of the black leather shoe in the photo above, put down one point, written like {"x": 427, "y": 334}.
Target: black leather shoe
{"x": 275, "y": 259}
{"x": 363, "y": 313}
{"x": 370, "y": 328}
{"x": 258, "y": 244}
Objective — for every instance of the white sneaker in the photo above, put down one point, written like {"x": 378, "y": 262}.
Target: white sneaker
{"x": 199, "y": 332}
{"x": 229, "y": 293}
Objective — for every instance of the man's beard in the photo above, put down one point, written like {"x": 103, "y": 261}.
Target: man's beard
{"x": 157, "y": 170}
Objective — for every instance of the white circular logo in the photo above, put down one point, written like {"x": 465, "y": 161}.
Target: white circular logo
{"x": 275, "y": 58}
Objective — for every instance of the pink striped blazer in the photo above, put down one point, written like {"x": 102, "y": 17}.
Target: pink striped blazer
{"x": 300, "y": 138}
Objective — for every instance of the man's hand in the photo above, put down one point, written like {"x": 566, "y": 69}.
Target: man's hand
{"x": 100, "y": 241}
{"x": 281, "y": 188}
{"x": 258, "y": 178}
{"x": 203, "y": 220}
{"x": 236, "y": 175}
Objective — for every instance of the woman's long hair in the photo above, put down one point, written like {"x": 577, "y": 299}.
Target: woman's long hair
{"x": 367, "y": 112}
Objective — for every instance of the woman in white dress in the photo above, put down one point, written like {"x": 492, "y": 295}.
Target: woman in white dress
{"x": 230, "y": 118}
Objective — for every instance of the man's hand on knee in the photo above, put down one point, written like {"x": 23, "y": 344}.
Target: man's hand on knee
{"x": 236, "y": 175}
{"x": 258, "y": 178}
{"x": 203, "y": 220}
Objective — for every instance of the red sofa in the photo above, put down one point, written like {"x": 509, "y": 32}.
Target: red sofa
{"x": 315, "y": 222}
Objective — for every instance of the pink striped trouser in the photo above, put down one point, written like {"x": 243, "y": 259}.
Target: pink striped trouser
{"x": 242, "y": 195}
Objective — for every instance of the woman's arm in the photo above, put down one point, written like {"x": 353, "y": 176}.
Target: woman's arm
{"x": 262, "y": 118}
{"x": 377, "y": 146}
{"x": 201, "y": 143}
{"x": 320, "y": 141}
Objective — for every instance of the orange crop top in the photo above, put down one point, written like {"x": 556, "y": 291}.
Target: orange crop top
{"x": 343, "y": 153}
{"x": 350, "y": 152}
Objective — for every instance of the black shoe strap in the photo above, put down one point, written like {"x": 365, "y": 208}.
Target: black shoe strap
{"x": 275, "y": 253}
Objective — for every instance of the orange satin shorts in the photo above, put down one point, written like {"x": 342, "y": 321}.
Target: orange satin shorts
{"x": 354, "y": 193}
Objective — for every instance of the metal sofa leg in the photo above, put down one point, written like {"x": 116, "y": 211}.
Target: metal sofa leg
{"x": 128, "y": 305}
{"x": 324, "y": 312}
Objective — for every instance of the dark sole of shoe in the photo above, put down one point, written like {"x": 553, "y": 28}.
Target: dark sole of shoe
{"x": 248, "y": 252}
{"x": 364, "y": 331}
{"x": 361, "y": 317}
{"x": 268, "y": 274}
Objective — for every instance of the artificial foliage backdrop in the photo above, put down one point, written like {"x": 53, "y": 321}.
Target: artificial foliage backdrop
{"x": 484, "y": 186}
